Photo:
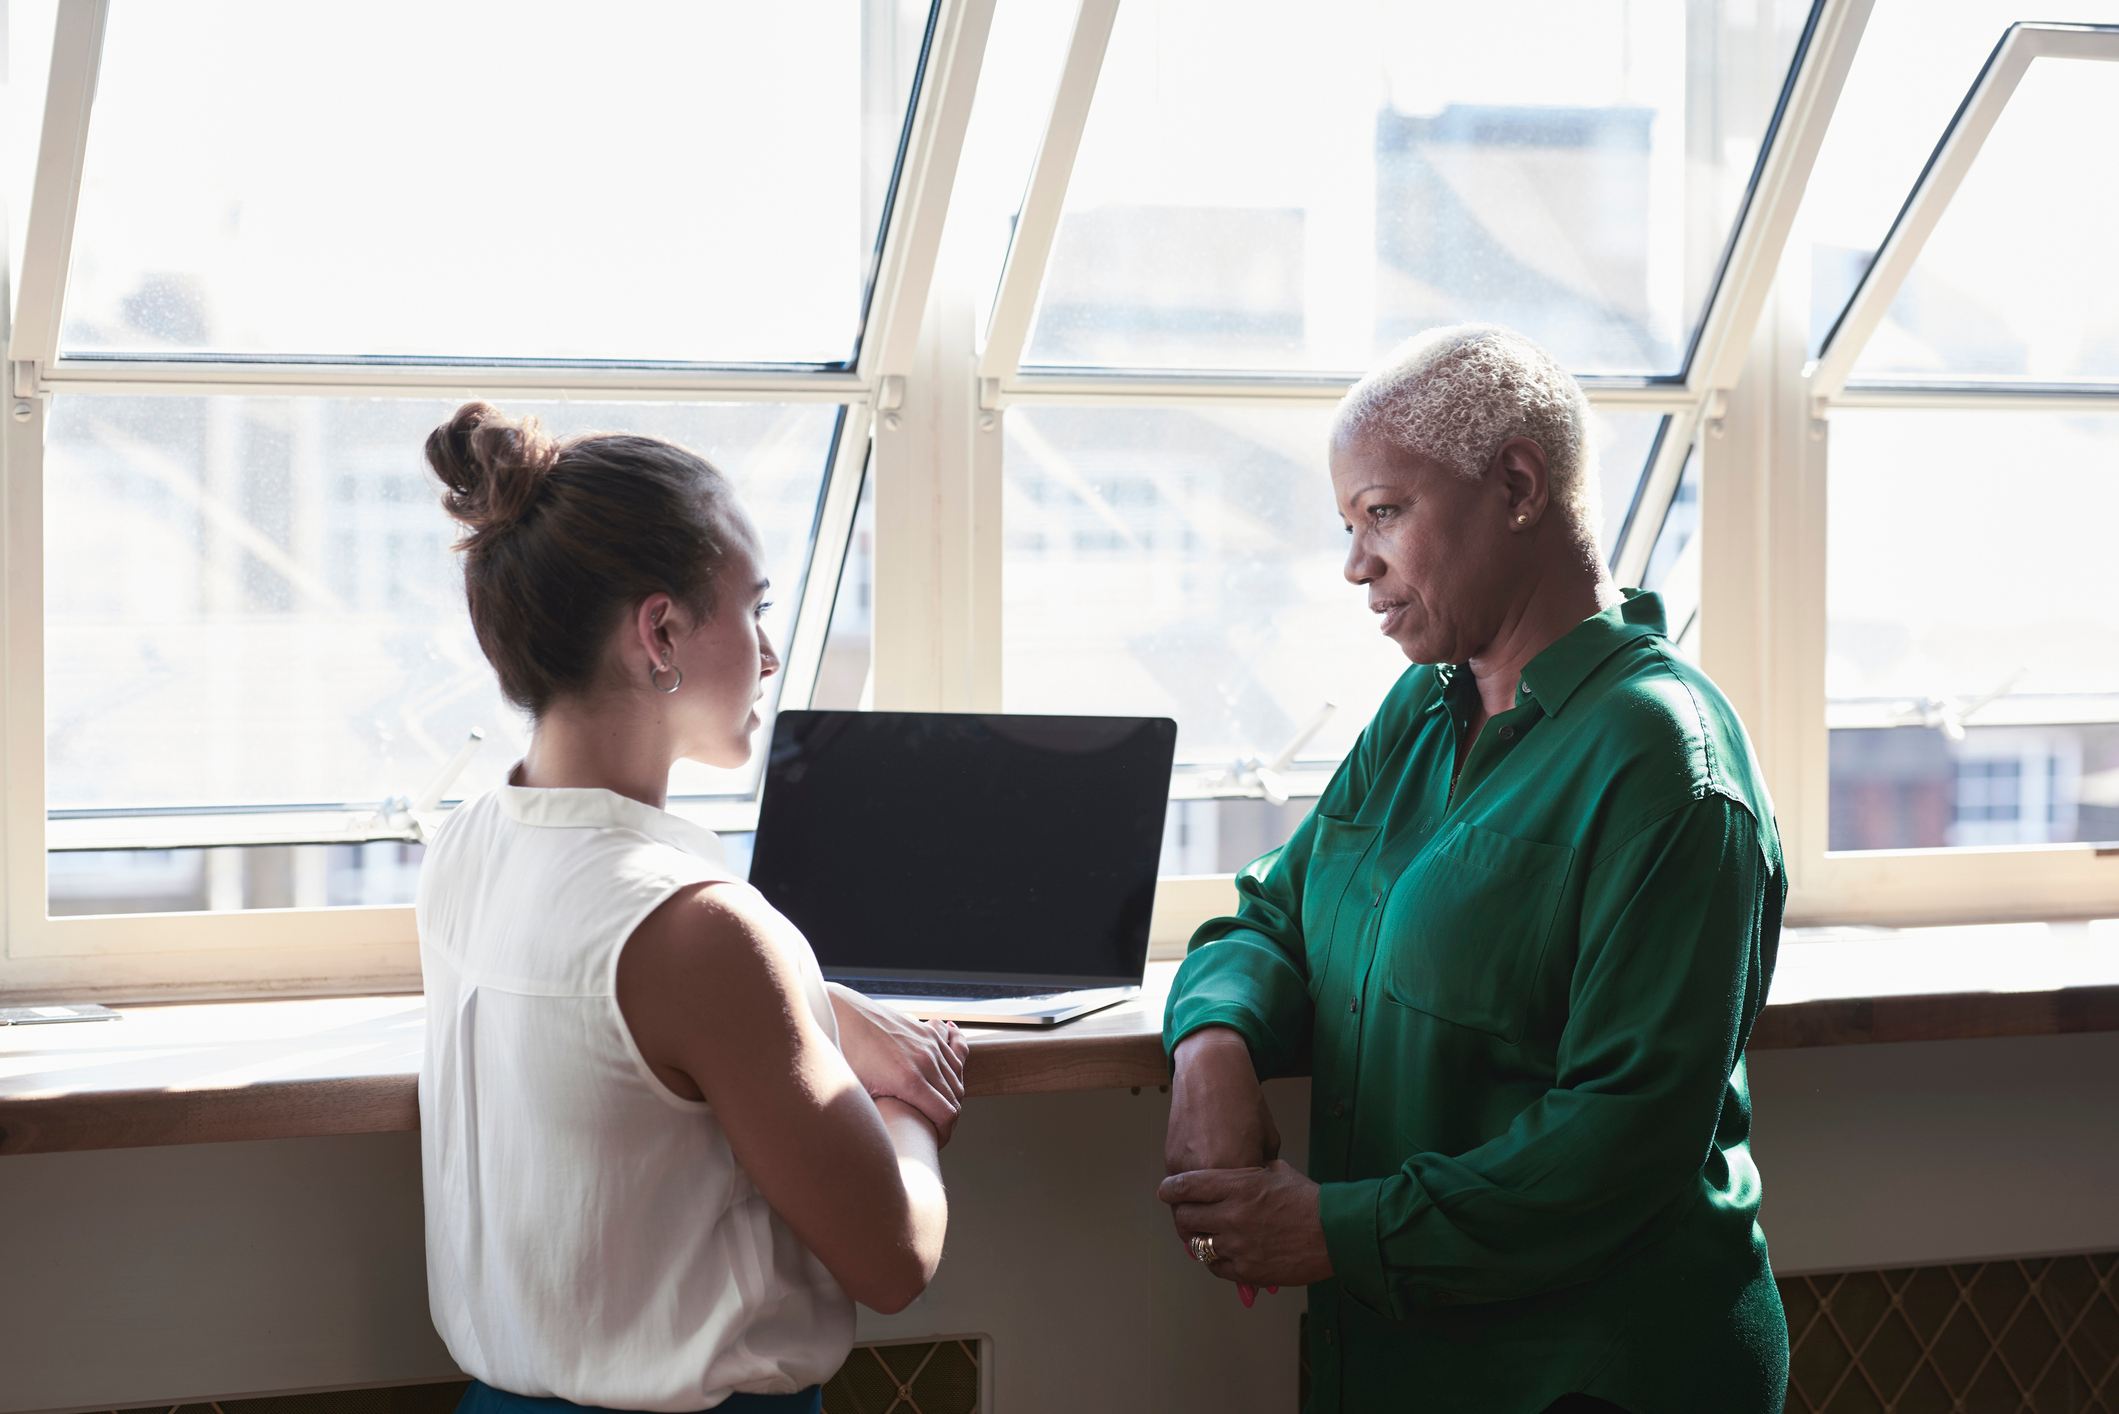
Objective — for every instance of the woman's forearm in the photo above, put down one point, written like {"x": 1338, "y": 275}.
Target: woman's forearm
{"x": 920, "y": 1169}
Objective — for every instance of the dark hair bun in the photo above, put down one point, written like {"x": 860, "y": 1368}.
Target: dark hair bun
{"x": 494, "y": 467}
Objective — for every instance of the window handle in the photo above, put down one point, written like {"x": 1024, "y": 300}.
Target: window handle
{"x": 1266, "y": 777}
{"x": 406, "y": 815}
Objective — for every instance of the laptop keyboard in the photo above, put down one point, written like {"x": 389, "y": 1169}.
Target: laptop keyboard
{"x": 965, "y": 991}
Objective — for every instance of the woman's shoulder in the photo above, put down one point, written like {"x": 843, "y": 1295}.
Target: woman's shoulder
{"x": 1672, "y": 733}
{"x": 716, "y": 954}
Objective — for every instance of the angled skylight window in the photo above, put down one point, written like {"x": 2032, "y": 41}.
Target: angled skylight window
{"x": 1273, "y": 188}
{"x": 2015, "y": 280}
{"x": 1915, "y": 64}
{"x": 637, "y": 181}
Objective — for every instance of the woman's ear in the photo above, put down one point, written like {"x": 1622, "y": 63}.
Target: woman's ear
{"x": 1525, "y": 481}
{"x": 653, "y": 629}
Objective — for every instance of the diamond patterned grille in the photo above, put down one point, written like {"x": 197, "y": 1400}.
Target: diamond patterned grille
{"x": 2014, "y": 1337}
{"x": 922, "y": 1377}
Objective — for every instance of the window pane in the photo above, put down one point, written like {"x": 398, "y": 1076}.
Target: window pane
{"x": 1267, "y": 187}
{"x": 1915, "y": 63}
{"x": 2015, "y": 279}
{"x": 1972, "y": 687}
{"x": 1674, "y": 561}
{"x": 1222, "y": 836}
{"x": 846, "y": 676}
{"x": 227, "y": 880}
{"x": 252, "y": 601}
{"x": 1186, "y": 563}
{"x": 654, "y": 181}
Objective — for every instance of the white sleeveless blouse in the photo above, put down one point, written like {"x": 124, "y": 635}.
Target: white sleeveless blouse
{"x": 589, "y": 1234}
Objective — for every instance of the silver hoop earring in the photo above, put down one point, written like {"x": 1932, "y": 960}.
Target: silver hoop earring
{"x": 654, "y": 677}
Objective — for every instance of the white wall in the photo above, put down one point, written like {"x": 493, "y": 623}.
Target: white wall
{"x": 161, "y": 1275}
{"x": 164, "y": 1275}
{"x": 1902, "y": 1155}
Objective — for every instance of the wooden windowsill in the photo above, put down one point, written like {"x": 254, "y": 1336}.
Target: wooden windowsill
{"x": 205, "y": 1073}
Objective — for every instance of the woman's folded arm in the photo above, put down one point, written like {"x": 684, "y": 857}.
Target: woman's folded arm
{"x": 710, "y": 986}
{"x": 1672, "y": 972}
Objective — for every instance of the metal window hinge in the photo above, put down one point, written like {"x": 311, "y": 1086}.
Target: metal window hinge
{"x": 23, "y": 380}
{"x": 1715, "y": 415}
{"x": 890, "y": 401}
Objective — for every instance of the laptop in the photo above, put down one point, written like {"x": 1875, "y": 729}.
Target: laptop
{"x": 971, "y": 867}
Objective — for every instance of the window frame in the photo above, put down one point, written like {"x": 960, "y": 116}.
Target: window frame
{"x": 925, "y": 401}
{"x": 287, "y": 951}
{"x": 1783, "y": 527}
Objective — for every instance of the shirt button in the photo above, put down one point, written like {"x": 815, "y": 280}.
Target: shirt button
{"x": 1338, "y": 1110}
{"x": 1508, "y": 733}
{"x": 1376, "y": 900}
{"x": 1329, "y": 1338}
{"x": 1353, "y": 1003}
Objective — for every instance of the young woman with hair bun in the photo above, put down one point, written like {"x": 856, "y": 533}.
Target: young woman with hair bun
{"x": 661, "y": 1157}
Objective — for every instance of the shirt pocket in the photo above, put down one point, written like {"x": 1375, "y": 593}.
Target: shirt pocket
{"x": 1468, "y": 925}
{"x": 1336, "y": 852}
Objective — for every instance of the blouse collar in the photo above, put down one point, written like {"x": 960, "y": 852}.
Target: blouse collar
{"x": 591, "y": 807}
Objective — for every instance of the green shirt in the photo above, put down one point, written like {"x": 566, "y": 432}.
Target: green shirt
{"x": 1523, "y": 1005}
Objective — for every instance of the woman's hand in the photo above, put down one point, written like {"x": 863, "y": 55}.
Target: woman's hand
{"x": 1264, "y": 1222}
{"x": 1218, "y": 1114}
{"x": 918, "y": 1062}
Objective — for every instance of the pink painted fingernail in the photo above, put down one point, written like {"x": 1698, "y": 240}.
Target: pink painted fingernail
{"x": 1246, "y": 1294}
{"x": 1273, "y": 1290}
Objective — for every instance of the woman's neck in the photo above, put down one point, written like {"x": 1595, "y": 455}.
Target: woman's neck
{"x": 583, "y": 747}
{"x": 1551, "y": 605}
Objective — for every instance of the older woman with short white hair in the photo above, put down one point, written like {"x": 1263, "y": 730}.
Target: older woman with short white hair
{"x": 1519, "y": 946}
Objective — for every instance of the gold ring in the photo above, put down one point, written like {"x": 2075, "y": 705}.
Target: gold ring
{"x": 1203, "y": 1250}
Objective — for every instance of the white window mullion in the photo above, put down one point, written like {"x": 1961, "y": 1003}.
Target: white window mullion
{"x": 1736, "y": 456}
{"x": 804, "y": 652}
{"x": 33, "y": 338}
{"x": 1023, "y": 274}
{"x": 22, "y": 699}
{"x": 450, "y": 380}
{"x": 912, "y": 245}
{"x": 47, "y": 250}
{"x": 937, "y": 565}
{"x": 1740, "y": 298}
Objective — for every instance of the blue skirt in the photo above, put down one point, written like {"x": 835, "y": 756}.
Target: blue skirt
{"x": 482, "y": 1398}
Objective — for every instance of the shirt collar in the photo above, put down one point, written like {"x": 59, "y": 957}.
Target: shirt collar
{"x": 1566, "y": 663}
{"x": 588, "y": 807}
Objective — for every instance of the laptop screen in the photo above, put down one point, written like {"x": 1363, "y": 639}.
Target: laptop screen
{"x": 975, "y": 846}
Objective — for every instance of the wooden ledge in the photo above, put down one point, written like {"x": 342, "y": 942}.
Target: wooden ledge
{"x": 198, "y": 1074}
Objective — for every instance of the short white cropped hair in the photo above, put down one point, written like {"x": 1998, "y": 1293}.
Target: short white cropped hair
{"x": 1455, "y": 394}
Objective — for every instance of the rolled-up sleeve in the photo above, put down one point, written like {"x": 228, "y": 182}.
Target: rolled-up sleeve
{"x": 1675, "y": 957}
